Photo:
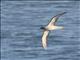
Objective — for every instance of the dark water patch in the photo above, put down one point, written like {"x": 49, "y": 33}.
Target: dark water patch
{"x": 16, "y": 46}
{"x": 26, "y": 53}
{"x": 6, "y": 34}
{"x": 56, "y": 36}
{"x": 23, "y": 54}
{"x": 19, "y": 51}
{"x": 78, "y": 55}
{"x": 23, "y": 34}
{"x": 75, "y": 23}
{"x": 74, "y": 37}
{"x": 63, "y": 7}
{"x": 66, "y": 43}
{"x": 69, "y": 51}
{"x": 63, "y": 58}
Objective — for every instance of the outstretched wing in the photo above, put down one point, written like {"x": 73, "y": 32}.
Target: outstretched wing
{"x": 44, "y": 38}
{"x": 54, "y": 19}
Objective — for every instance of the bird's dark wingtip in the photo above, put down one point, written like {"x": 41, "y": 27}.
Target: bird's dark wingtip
{"x": 61, "y": 14}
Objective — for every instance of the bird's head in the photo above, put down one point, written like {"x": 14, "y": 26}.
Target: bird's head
{"x": 42, "y": 28}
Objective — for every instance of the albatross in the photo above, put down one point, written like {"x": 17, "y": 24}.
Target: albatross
{"x": 49, "y": 27}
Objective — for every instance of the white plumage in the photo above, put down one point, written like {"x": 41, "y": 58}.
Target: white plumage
{"x": 51, "y": 26}
{"x": 44, "y": 38}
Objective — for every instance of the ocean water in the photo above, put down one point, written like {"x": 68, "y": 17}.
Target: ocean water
{"x": 21, "y": 34}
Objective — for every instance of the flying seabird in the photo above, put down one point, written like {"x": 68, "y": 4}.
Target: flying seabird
{"x": 49, "y": 27}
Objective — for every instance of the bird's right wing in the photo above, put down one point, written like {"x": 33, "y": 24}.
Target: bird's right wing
{"x": 44, "y": 38}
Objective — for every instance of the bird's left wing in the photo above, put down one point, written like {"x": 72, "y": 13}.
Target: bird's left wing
{"x": 44, "y": 38}
{"x": 54, "y": 19}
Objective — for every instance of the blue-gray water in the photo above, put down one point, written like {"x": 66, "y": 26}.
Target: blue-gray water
{"x": 21, "y": 36}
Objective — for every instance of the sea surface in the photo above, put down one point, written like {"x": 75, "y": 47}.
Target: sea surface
{"x": 21, "y": 34}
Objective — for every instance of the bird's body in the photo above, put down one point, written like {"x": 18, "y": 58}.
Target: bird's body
{"x": 51, "y": 26}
